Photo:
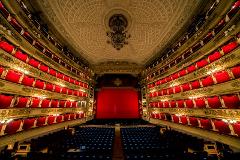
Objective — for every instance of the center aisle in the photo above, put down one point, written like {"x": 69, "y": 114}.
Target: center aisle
{"x": 117, "y": 146}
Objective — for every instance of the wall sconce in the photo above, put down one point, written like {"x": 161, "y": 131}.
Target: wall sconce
{"x": 22, "y": 70}
{"x": 229, "y": 121}
{"x": 5, "y": 121}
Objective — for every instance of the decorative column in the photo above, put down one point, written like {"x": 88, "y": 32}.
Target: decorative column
{"x": 213, "y": 125}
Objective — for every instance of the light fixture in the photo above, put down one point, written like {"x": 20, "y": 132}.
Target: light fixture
{"x": 5, "y": 121}
{"x": 229, "y": 121}
{"x": 22, "y": 70}
{"x": 118, "y": 35}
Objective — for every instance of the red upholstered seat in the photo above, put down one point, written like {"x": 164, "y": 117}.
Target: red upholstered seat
{"x": 200, "y": 103}
{"x": 170, "y": 90}
{"x": 191, "y": 68}
{"x": 28, "y": 37}
{"x": 236, "y": 71}
{"x": 164, "y": 92}
{"x": 59, "y": 119}
{"x": 39, "y": 84}
{"x": 54, "y": 104}
{"x": 195, "y": 84}
{"x": 21, "y": 102}
{"x": 33, "y": 62}
{"x": 177, "y": 89}
{"x": 5, "y": 101}
{"x": 35, "y": 102}
{"x": 70, "y": 92}
{"x": 72, "y": 80}
{"x": 182, "y": 72}
{"x": 41, "y": 121}
{"x": 236, "y": 127}
{"x": 207, "y": 81}
{"x": 58, "y": 89}
{"x": 234, "y": 9}
{"x": 168, "y": 79}
{"x": 184, "y": 120}
{"x": 16, "y": 25}
{"x": 213, "y": 57}
{"x": 68, "y": 104}
{"x": 202, "y": 63}
{"x": 60, "y": 75}
{"x": 49, "y": 87}
{"x": 6, "y": 46}
{"x": 205, "y": 123}
{"x": 166, "y": 104}
{"x": 43, "y": 68}
{"x": 21, "y": 56}
{"x": 173, "y": 104}
{"x": 193, "y": 121}
{"x": 45, "y": 103}
{"x": 229, "y": 47}
{"x": 64, "y": 90}
{"x": 62, "y": 103}
{"x": 189, "y": 103}
{"x": 74, "y": 104}
{"x": 28, "y": 123}
{"x": 72, "y": 116}
{"x": 13, "y": 76}
{"x": 50, "y": 120}
{"x": 66, "y": 78}
{"x": 27, "y": 81}
{"x": 160, "y": 104}
{"x": 52, "y": 72}
{"x": 13, "y": 126}
{"x": 222, "y": 76}
{"x": 186, "y": 87}
{"x": 214, "y": 102}
{"x": 180, "y": 103}
{"x": 175, "y": 76}
{"x": 175, "y": 119}
{"x": 221, "y": 126}
{"x": 66, "y": 117}
{"x": 231, "y": 101}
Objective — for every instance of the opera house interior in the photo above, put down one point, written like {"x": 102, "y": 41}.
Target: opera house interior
{"x": 119, "y": 80}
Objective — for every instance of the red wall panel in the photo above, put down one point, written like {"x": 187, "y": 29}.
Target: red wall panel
{"x": 117, "y": 103}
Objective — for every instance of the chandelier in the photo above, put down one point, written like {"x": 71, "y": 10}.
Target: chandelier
{"x": 118, "y": 34}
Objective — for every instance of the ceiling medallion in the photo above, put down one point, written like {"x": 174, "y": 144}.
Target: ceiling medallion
{"x": 118, "y": 34}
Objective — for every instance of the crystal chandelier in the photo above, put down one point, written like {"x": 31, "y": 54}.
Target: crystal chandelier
{"x": 118, "y": 34}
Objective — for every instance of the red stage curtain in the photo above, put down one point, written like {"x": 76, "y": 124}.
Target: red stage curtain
{"x": 13, "y": 76}
{"x": 213, "y": 57}
{"x": 180, "y": 103}
{"x": 5, "y": 101}
{"x": 236, "y": 71}
{"x": 186, "y": 87}
{"x": 214, "y": 102}
{"x": 231, "y": 101}
{"x": 21, "y": 56}
{"x": 222, "y": 76}
{"x": 13, "y": 126}
{"x": 21, "y": 102}
{"x": 206, "y": 124}
{"x": 35, "y": 102}
{"x": 33, "y": 62}
{"x": 191, "y": 68}
{"x": 189, "y": 103}
{"x": 207, "y": 81}
{"x": 28, "y": 123}
{"x": 229, "y": 47}
{"x": 6, "y": 46}
{"x": 45, "y": 103}
{"x": 200, "y": 103}
{"x": 41, "y": 121}
{"x": 39, "y": 84}
{"x": 221, "y": 126}
{"x": 27, "y": 81}
{"x": 117, "y": 103}
{"x": 202, "y": 63}
{"x": 195, "y": 84}
{"x": 193, "y": 121}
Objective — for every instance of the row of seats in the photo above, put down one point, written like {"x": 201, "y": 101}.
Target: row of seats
{"x": 38, "y": 45}
{"x": 210, "y": 35}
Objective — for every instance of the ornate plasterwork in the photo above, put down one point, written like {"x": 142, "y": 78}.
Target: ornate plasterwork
{"x": 81, "y": 23}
